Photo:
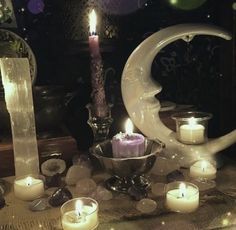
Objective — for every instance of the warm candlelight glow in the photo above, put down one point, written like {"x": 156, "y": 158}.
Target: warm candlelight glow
{"x": 78, "y": 207}
{"x": 182, "y": 190}
{"x": 192, "y": 121}
{"x": 129, "y": 126}
{"x": 29, "y": 181}
{"x": 92, "y": 22}
{"x": 203, "y": 165}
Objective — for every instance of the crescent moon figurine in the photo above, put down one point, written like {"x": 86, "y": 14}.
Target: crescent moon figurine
{"x": 139, "y": 90}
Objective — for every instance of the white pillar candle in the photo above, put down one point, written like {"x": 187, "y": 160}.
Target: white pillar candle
{"x": 203, "y": 169}
{"x": 28, "y": 188}
{"x": 192, "y": 133}
{"x": 128, "y": 144}
{"x": 79, "y": 216}
{"x": 184, "y": 198}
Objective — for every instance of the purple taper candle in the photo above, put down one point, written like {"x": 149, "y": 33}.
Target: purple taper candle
{"x": 98, "y": 91}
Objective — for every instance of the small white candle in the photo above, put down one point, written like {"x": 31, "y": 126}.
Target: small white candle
{"x": 192, "y": 133}
{"x": 184, "y": 199}
{"x": 128, "y": 144}
{"x": 203, "y": 169}
{"x": 28, "y": 188}
{"x": 83, "y": 217}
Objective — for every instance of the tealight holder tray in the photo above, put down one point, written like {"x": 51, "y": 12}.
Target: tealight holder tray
{"x": 192, "y": 127}
{"x": 127, "y": 172}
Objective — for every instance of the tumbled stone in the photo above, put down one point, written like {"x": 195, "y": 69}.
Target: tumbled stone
{"x": 2, "y": 202}
{"x": 146, "y": 205}
{"x": 175, "y": 176}
{"x": 53, "y": 166}
{"x": 158, "y": 189}
{"x": 101, "y": 194}
{"x": 59, "y": 197}
{"x": 40, "y": 204}
{"x": 85, "y": 186}
{"x": 163, "y": 166}
{"x": 137, "y": 193}
{"x": 77, "y": 172}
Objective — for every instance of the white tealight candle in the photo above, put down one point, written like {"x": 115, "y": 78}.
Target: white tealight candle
{"x": 79, "y": 216}
{"x": 28, "y": 188}
{"x": 184, "y": 198}
{"x": 203, "y": 169}
{"x": 128, "y": 144}
{"x": 192, "y": 133}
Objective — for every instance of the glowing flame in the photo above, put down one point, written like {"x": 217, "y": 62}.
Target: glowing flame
{"x": 203, "y": 165}
{"x": 92, "y": 22}
{"x": 78, "y": 207}
{"x": 182, "y": 190}
{"x": 28, "y": 180}
{"x": 129, "y": 126}
{"x": 192, "y": 121}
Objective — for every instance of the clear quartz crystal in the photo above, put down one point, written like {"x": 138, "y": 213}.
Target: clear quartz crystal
{"x": 146, "y": 205}
{"x": 19, "y": 100}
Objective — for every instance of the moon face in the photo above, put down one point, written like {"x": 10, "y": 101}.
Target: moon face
{"x": 139, "y": 89}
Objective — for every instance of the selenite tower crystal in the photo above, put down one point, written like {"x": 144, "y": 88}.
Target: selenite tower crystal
{"x": 19, "y": 101}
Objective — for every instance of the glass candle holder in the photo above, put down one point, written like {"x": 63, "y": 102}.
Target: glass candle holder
{"x": 100, "y": 124}
{"x": 29, "y": 187}
{"x": 203, "y": 173}
{"x": 191, "y": 127}
{"x": 182, "y": 197}
{"x": 80, "y": 214}
{"x": 203, "y": 170}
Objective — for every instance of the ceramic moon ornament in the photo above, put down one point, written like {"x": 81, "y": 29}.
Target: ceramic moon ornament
{"x": 139, "y": 90}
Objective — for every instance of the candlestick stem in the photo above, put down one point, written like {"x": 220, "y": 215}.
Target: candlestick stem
{"x": 100, "y": 125}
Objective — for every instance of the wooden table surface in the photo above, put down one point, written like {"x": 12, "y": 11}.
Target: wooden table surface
{"x": 217, "y": 210}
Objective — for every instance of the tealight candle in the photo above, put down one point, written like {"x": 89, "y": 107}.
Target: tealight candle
{"x": 80, "y": 214}
{"x": 128, "y": 144}
{"x": 203, "y": 169}
{"x": 192, "y": 133}
{"x": 182, "y": 197}
{"x": 28, "y": 188}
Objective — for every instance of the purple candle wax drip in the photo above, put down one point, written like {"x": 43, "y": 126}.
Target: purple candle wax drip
{"x": 35, "y": 6}
{"x": 128, "y": 145}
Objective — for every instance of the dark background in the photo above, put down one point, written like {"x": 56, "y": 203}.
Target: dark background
{"x": 200, "y": 73}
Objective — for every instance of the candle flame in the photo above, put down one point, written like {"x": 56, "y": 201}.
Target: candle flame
{"x": 182, "y": 190}
{"x": 78, "y": 207}
{"x": 28, "y": 180}
{"x": 203, "y": 165}
{"x": 129, "y": 126}
{"x": 192, "y": 121}
{"x": 92, "y": 22}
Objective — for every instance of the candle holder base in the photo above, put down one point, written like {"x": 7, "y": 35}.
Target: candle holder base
{"x": 126, "y": 172}
{"x": 100, "y": 124}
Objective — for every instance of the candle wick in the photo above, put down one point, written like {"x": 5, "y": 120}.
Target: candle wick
{"x": 92, "y": 33}
{"x": 182, "y": 195}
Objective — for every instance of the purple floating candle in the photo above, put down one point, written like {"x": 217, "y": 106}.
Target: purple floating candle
{"x": 129, "y": 144}
{"x": 36, "y": 6}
